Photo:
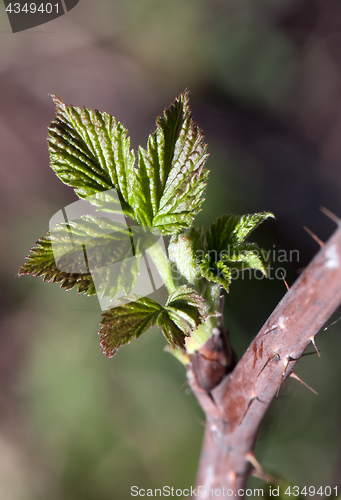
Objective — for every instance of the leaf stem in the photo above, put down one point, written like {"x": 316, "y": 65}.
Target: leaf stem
{"x": 204, "y": 331}
{"x": 163, "y": 265}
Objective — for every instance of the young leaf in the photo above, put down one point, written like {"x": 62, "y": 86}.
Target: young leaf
{"x": 113, "y": 253}
{"x": 109, "y": 250}
{"x": 122, "y": 323}
{"x": 91, "y": 152}
{"x": 188, "y": 304}
{"x": 225, "y": 251}
{"x": 247, "y": 255}
{"x": 40, "y": 262}
{"x": 168, "y": 187}
{"x": 183, "y": 313}
{"x": 216, "y": 271}
{"x": 231, "y": 230}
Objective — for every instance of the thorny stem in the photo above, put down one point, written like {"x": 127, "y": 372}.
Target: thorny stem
{"x": 236, "y": 405}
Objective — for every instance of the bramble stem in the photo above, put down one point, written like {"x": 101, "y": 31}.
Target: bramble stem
{"x": 236, "y": 406}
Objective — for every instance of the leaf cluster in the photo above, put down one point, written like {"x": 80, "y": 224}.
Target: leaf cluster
{"x": 90, "y": 151}
{"x": 225, "y": 249}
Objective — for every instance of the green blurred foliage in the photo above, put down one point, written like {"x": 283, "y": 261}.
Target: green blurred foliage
{"x": 93, "y": 427}
{"x": 106, "y": 423}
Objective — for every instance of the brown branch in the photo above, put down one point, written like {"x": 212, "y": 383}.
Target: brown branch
{"x": 236, "y": 407}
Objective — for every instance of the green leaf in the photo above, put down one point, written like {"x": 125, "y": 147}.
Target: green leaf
{"x": 189, "y": 305}
{"x": 171, "y": 178}
{"x": 231, "y": 230}
{"x": 226, "y": 252}
{"x": 107, "y": 252}
{"x": 216, "y": 271}
{"x": 247, "y": 256}
{"x": 122, "y": 323}
{"x": 40, "y": 262}
{"x": 183, "y": 313}
{"x": 114, "y": 254}
{"x": 91, "y": 152}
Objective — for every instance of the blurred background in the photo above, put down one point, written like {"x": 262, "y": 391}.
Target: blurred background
{"x": 265, "y": 81}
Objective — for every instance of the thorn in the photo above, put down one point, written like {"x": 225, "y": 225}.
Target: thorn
{"x": 326, "y": 328}
{"x": 293, "y": 375}
{"x": 312, "y": 340}
{"x": 286, "y": 362}
{"x": 201, "y": 421}
{"x": 182, "y": 387}
{"x": 330, "y": 214}
{"x": 288, "y": 359}
{"x": 258, "y": 470}
{"x": 253, "y": 461}
{"x": 286, "y": 284}
{"x": 316, "y": 238}
{"x": 280, "y": 385}
{"x": 253, "y": 398}
{"x": 275, "y": 354}
{"x": 271, "y": 330}
{"x": 265, "y": 477}
{"x": 267, "y": 361}
{"x": 306, "y": 354}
